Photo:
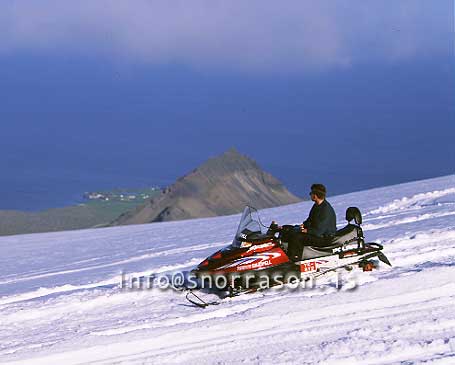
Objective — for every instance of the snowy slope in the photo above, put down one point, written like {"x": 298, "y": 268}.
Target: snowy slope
{"x": 61, "y": 303}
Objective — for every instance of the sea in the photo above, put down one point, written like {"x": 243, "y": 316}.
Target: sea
{"x": 52, "y": 189}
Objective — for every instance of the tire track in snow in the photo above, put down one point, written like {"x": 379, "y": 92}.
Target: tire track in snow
{"x": 171, "y": 252}
{"x": 113, "y": 282}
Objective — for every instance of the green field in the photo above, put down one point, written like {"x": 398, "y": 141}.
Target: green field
{"x": 119, "y": 201}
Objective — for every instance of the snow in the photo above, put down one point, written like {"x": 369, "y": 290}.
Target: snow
{"x": 61, "y": 303}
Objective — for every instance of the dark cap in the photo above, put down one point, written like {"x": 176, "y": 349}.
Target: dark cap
{"x": 319, "y": 190}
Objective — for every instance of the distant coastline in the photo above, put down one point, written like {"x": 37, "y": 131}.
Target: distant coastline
{"x": 92, "y": 209}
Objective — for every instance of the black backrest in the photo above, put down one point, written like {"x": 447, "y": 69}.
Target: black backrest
{"x": 353, "y": 213}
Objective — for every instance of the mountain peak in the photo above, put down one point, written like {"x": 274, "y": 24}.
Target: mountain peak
{"x": 233, "y": 152}
{"x": 228, "y": 162}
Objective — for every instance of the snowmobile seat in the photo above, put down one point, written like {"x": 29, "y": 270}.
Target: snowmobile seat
{"x": 310, "y": 252}
{"x": 352, "y": 232}
{"x": 349, "y": 233}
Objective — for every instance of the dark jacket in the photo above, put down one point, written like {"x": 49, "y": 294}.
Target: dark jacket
{"x": 322, "y": 220}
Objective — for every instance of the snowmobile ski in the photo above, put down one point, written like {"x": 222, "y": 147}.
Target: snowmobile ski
{"x": 198, "y": 301}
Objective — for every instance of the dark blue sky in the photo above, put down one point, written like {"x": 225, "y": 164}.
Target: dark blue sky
{"x": 79, "y": 117}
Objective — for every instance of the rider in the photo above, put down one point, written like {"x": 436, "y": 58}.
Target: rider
{"x": 319, "y": 227}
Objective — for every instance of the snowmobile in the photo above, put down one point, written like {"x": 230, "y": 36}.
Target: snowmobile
{"x": 259, "y": 253}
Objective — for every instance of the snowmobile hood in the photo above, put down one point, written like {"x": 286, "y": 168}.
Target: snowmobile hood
{"x": 221, "y": 257}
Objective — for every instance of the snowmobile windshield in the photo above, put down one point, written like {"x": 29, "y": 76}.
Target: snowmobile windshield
{"x": 249, "y": 223}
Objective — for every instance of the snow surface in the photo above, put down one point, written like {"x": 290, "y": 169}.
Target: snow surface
{"x": 60, "y": 299}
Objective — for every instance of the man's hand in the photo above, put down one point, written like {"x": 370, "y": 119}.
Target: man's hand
{"x": 274, "y": 226}
{"x": 303, "y": 229}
